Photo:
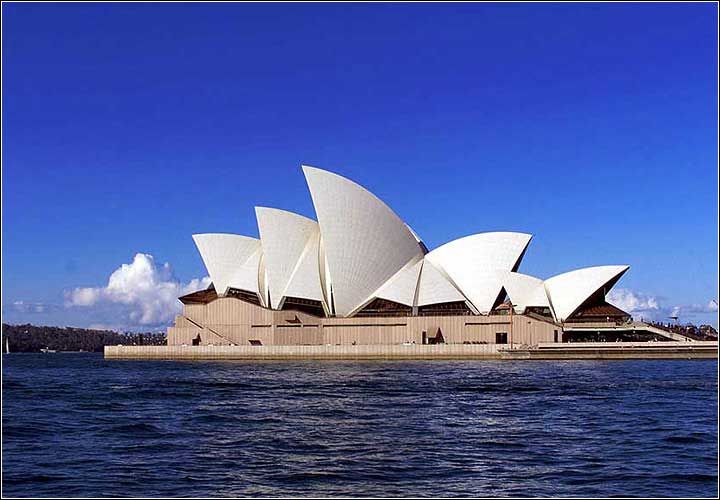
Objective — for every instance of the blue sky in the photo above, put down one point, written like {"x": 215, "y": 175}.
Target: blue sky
{"x": 128, "y": 127}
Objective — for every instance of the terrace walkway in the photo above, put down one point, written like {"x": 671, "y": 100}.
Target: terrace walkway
{"x": 635, "y": 325}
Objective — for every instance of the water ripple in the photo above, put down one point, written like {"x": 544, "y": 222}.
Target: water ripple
{"x": 77, "y": 425}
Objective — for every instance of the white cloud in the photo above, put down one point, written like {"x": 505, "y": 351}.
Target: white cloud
{"x": 84, "y": 296}
{"x": 145, "y": 293}
{"x": 21, "y": 306}
{"x": 710, "y": 307}
{"x": 650, "y": 308}
{"x": 638, "y": 305}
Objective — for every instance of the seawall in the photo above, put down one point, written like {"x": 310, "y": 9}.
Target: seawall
{"x": 586, "y": 350}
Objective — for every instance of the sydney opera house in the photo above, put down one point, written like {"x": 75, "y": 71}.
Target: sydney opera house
{"x": 360, "y": 275}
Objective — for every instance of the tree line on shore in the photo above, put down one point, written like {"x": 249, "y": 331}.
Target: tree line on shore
{"x": 31, "y": 338}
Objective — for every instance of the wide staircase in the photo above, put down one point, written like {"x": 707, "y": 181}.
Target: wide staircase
{"x": 639, "y": 325}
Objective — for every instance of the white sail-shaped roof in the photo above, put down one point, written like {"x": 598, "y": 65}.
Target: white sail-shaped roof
{"x": 472, "y": 263}
{"x": 305, "y": 280}
{"x": 230, "y": 259}
{"x": 365, "y": 242}
{"x": 401, "y": 287}
{"x": 524, "y": 291}
{"x": 288, "y": 242}
{"x": 435, "y": 288}
{"x": 263, "y": 291}
{"x": 325, "y": 279}
{"x": 248, "y": 275}
{"x": 569, "y": 290}
{"x": 418, "y": 239}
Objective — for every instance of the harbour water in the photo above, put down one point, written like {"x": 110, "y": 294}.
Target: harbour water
{"x": 79, "y": 425}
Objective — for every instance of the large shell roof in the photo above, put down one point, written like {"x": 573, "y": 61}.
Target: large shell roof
{"x": 231, "y": 260}
{"x": 360, "y": 250}
{"x": 477, "y": 264}
{"x": 288, "y": 242}
{"x": 568, "y": 291}
{"x": 365, "y": 242}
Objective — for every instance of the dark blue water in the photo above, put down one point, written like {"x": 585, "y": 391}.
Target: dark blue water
{"x": 77, "y": 425}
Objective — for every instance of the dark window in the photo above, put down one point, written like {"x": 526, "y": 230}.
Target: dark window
{"x": 243, "y": 295}
{"x": 382, "y": 307}
{"x": 308, "y": 306}
{"x": 596, "y": 309}
{"x": 458, "y": 308}
{"x": 540, "y": 311}
{"x": 555, "y": 335}
{"x": 501, "y": 337}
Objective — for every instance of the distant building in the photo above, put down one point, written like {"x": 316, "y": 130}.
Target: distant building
{"x": 360, "y": 275}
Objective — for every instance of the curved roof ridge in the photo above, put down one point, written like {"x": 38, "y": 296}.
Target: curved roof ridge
{"x": 223, "y": 254}
{"x": 285, "y": 236}
{"x": 567, "y": 291}
{"x": 401, "y": 287}
{"x": 525, "y": 290}
{"x": 365, "y": 242}
{"x": 471, "y": 263}
{"x": 434, "y": 287}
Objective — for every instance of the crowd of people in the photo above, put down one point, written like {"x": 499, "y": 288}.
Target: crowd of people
{"x": 702, "y": 332}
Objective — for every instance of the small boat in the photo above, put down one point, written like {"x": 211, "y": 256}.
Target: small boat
{"x": 7, "y": 345}
{"x": 47, "y": 350}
